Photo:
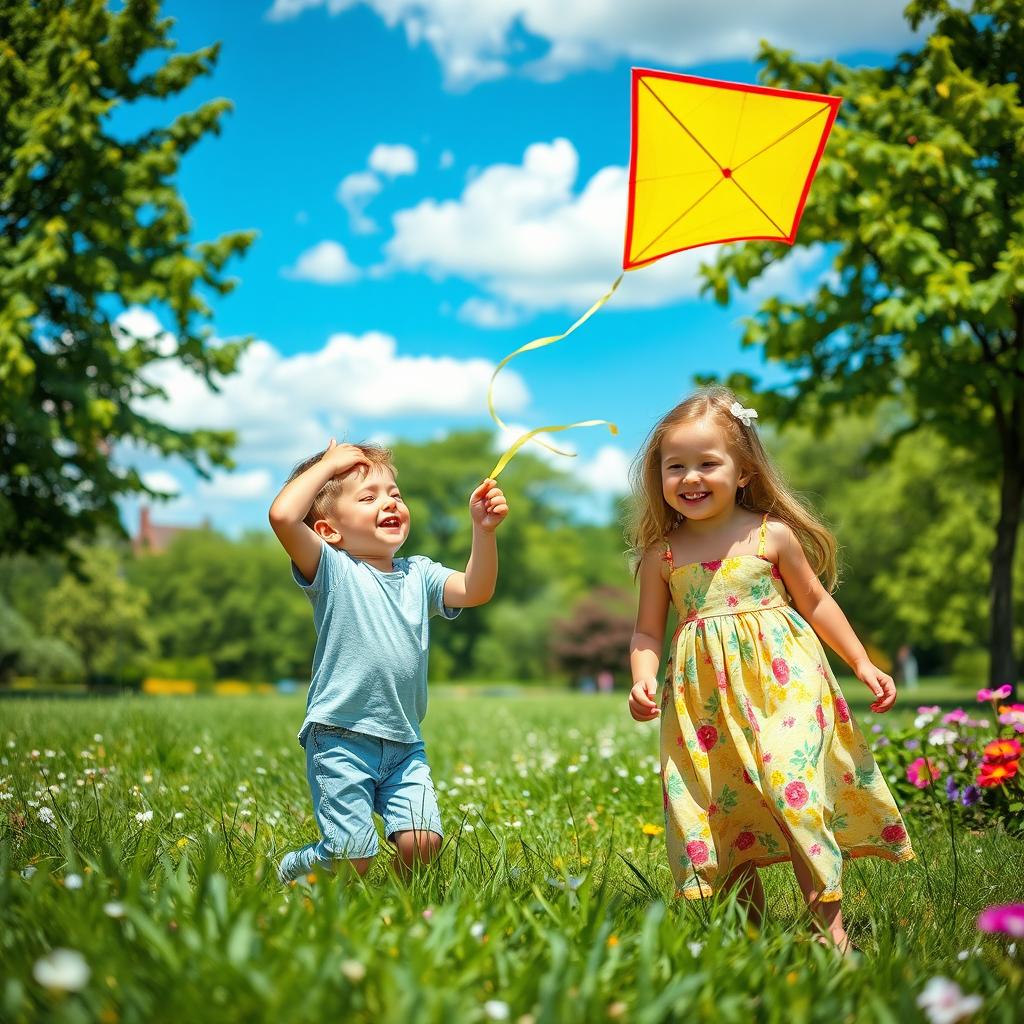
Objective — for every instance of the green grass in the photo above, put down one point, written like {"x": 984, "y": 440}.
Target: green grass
{"x": 548, "y": 901}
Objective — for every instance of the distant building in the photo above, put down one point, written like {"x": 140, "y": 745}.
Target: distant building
{"x": 154, "y": 539}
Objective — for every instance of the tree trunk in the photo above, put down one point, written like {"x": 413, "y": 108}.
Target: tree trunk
{"x": 1002, "y": 664}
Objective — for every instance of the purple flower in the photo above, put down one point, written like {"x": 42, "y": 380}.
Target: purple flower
{"x": 1007, "y": 919}
{"x": 952, "y": 789}
{"x": 970, "y": 796}
{"x": 911, "y": 744}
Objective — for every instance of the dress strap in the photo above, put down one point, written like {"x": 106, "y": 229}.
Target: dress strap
{"x": 761, "y": 536}
{"x": 666, "y": 556}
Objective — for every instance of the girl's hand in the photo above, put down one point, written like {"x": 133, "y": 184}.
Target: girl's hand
{"x": 879, "y": 683}
{"x": 487, "y": 506}
{"x": 343, "y": 457}
{"x": 641, "y": 706}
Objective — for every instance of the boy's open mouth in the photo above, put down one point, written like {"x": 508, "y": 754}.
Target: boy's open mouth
{"x": 390, "y": 523}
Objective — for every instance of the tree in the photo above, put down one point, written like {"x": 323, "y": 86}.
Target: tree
{"x": 100, "y": 616}
{"x": 919, "y": 199}
{"x": 89, "y": 224}
{"x": 596, "y": 635}
{"x": 231, "y": 600}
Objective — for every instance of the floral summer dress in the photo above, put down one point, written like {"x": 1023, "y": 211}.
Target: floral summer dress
{"x": 759, "y": 751}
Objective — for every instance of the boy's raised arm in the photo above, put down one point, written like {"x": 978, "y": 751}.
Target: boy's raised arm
{"x": 292, "y": 506}
{"x": 475, "y": 586}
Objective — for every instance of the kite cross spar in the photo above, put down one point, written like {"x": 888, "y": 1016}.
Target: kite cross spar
{"x": 710, "y": 162}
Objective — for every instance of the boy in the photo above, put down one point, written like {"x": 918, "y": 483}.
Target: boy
{"x": 341, "y": 519}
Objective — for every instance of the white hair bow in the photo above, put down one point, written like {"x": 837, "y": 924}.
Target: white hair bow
{"x": 745, "y": 416}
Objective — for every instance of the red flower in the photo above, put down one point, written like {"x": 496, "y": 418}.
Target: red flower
{"x": 746, "y": 777}
{"x": 697, "y": 851}
{"x": 712, "y": 808}
{"x": 996, "y": 774}
{"x": 848, "y": 778}
{"x": 781, "y": 670}
{"x": 842, "y": 710}
{"x": 894, "y": 834}
{"x": 707, "y": 737}
{"x": 712, "y": 566}
{"x": 776, "y": 575}
{"x": 1000, "y": 751}
{"x": 819, "y": 713}
{"x": 796, "y": 794}
{"x": 745, "y": 840}
{"x": 732, "y": 600}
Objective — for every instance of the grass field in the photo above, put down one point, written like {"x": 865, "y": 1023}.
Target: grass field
{"x": 141, "y": 834}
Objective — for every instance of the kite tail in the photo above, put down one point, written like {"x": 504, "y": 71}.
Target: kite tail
{"x": 531, "y": 435}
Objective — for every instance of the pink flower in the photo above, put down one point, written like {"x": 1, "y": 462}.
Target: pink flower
{"x": 745, "y": 840}
{"x": 815, "y": 849}
{"x": 707, "y": 737}
{"x": 819, "y": 713}
{"x": 712, "y": 566}
{"x": 697, "y": 851}
{"x": 958, "y": 716}
{"x": 894, "y": 834}
{"x": 1000, "y": 693}
{"x": 766, "y": 757}
{"x": 776, "y": 575}
{"x": 842, "y": 710}
{"x": 929, "y": 709}
{"x": 749, "y": 708}
{"x": 780, "y": 670}
{"x": 788, "y": 722}
{"x": 796, "y": 794}
{"x": 723, "y": 679}
{"x": 1007, "y": 919}
{"x": 732, "y": 600}
{"x": 922, "y": 772}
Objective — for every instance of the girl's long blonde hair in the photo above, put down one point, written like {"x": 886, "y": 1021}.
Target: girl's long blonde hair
{"x": 652, "y": 518}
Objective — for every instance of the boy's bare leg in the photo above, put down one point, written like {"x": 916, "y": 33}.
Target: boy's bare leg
{"x": 829, "y": 915}
{"x": 415, "y": 848}
{"x": 749, "y": 891}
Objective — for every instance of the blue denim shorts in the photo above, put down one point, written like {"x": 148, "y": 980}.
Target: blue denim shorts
{"x": 352, "y": 775}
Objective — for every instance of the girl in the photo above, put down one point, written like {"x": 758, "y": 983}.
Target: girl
{"x": 761, "y": 760}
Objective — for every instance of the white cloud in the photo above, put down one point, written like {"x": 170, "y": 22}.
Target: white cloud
{"x": 392, "y": 161}
{"x": 522, "y": 233}
{"x": 137, "y": 324}
{"x": 249, "y": 485}
{"x": 326, "y": 263}
{"x": 354, "y": 192}
{"x": 477, "y": 41}
{"x": 607, "y": 472}
{"x": 487, "y": 314}
{"x": 162, "y": 481}
{"x": 284, "y": 408}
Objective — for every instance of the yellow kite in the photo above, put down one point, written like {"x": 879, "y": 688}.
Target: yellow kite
{"x": 710, "y": 162}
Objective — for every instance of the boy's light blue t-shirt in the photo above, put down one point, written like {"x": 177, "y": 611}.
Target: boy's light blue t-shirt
{"x": 372, "y": 637}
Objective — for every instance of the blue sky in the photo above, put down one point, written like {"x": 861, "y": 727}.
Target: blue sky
{"x": 435, "y": 183}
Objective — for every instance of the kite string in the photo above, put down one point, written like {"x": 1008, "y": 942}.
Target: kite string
{"x": 532, "y": 434}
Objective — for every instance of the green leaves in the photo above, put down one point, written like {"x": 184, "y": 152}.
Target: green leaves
{"x": 89, "y": 224}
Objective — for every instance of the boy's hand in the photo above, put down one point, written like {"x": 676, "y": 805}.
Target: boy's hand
{"x": 879, "y": 683}
{"x": 641, "y": 704}
{"x": 340, "y": 458}
{"x": 487, "y": 506}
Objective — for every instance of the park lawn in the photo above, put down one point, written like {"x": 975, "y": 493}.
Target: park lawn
{"x": 550, "y": 902}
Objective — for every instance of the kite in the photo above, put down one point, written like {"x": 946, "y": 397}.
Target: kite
{"x": 710, "y": 162}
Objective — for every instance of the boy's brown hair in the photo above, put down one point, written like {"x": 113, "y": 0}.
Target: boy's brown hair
{"x": 377, "y": 456}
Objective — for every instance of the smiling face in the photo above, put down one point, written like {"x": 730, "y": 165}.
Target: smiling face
{"x": 699, "y": 475}
{"x": 369, "y": 516}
